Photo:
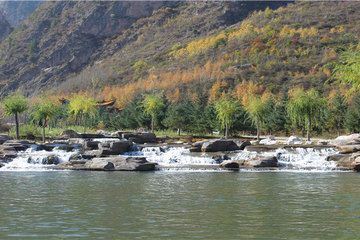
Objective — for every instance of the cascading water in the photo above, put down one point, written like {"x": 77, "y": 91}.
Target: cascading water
{"x": 173, "y": 156}
{"x": 34, "y": 160}
{"x": 289, "y": 159}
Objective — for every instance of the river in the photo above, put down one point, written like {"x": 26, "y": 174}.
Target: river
{"x": 179, "y": 205}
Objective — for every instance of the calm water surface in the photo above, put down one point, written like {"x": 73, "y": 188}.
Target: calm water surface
{"x": 179, "y": 205}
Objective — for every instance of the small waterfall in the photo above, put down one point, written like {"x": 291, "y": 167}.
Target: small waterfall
{"x": 173, "y": 156}
{"x": 306, "y": 158}
{"x": 32, "y": 160}
{"x": 289, "y": 159}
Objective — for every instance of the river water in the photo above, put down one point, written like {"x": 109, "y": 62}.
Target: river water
{"x": 179, "y": 205}
{"x": 307, "y": 198}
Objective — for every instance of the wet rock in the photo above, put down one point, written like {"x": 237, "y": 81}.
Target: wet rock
{"x": 262, "y": 161}
{"x": 220, "y": 158}
{"x": 348, "y": 149}
{"x": 196, "y": 147}
{"x": 75, "y": 156}
{"x": 48, "y": 147}
{"x": 294, "y": 140}
{"x": 242, "y": 144}
{"x": 337, "y": 157}
{"x": 99, "y": 164}
{"x": 52, "y": 159}
{"x": 114, "y": 148}
{"x": 219, "y": 145}
{"x": 4, "y": 138}
{"x": 120, "y": 163}
{"x": 91, "y": 145}
{"x": 70, "y": 134}
{"x": 2, "y": 165}
{"x": 230, "y": 164}
{"x": 353, "y": 139}
{"x": 258, "y": 162}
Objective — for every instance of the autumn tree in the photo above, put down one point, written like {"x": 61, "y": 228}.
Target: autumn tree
{"x": 14, "y": 105}
{"x": 83, "y": 107}
{"x": 306, "y": 107}
{"x": 152, "y": 104}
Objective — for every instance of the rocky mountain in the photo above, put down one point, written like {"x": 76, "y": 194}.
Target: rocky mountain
{"x": 5, "y": 27}
{"x": 17, "y": 11}
{"x": 60, "y": 40}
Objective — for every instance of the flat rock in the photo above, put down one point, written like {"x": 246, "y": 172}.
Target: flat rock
{"x": 120, "y": 163}
{"x": 348, "y": 149}
{"x": 353, "y": 139}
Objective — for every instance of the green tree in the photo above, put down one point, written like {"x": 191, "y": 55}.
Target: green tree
{"x": 44, "y": 111}
{"x": 14, "y": 105}
{"x": 337, "y": 113}
{"x": 226, "y": 110}
{"x": 306, "y": 107}
{"x": 178, "y": 116}
{"x": 83, "y": 107}
{"x": 352, "y": 116}
{"x": 257, "y": 110}
{"x": 152, "y": 104}
{"x": 347, "y": 70}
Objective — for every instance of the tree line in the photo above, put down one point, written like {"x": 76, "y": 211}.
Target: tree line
{"x": 255, "y": 111}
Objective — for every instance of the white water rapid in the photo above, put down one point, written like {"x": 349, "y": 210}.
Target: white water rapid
{"x": 298, "y": 159}
{"x": 32, "y": 160}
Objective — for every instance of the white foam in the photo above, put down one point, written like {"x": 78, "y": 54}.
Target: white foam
{"x": 31, "y": 160}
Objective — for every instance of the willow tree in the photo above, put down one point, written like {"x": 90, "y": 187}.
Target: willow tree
{"x": 306, "y": 108}
{"x": 226, "y": 110}
{"x": 152, "y": 104}
{"x": 44, "y": 111}
{"x": 347, "y": 70}
{"x": 83, "y": 107}
{"x": 256, "y": 108}
{"x": 14, "y": 105}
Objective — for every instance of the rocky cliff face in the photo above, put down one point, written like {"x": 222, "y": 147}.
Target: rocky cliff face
{"x": 5, "y": 28}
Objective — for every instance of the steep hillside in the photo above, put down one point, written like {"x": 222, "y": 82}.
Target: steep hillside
{"x": 5, "y": 27}
{"x": 280, "y": 49}
{"x": 17, "y": 11}
{"x": 106, "y": 39}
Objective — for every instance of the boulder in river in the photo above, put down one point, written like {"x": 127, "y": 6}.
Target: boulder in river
{"x": 219, "y": 145}
{"x": 344, "y": 149}
{"x": 353, "y": 139}
{"x": 52, "y": 159}
{"x": 120, "y": 163}
{"x": 114, "y": 148}
{"x": 258, "y": 162}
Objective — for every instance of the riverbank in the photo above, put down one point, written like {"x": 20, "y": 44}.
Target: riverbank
{"x": 142, "y": 151}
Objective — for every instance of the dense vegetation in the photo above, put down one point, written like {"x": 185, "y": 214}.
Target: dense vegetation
{"x": 185, "y": 70}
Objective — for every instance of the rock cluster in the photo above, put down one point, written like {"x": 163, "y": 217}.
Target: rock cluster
{"x": 349, "y": 152}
